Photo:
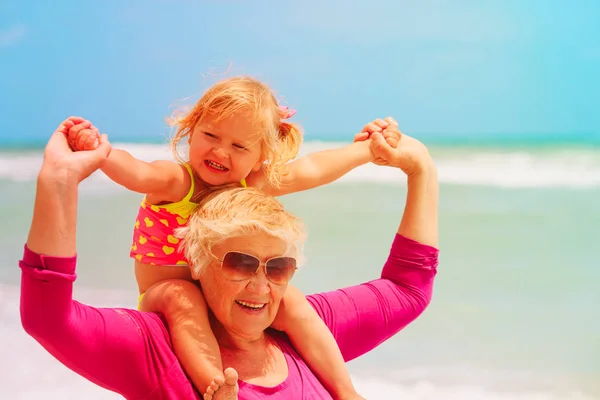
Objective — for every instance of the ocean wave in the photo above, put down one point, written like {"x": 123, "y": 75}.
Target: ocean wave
{"x": 574, "y": 168}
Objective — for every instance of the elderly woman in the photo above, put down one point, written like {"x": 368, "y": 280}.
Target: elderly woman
{"x": 244, "y": 247}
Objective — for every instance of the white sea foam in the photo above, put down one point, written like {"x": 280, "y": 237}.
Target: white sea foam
{"x": 575, "y": 168}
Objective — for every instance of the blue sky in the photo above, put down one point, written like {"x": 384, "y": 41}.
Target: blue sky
{"x": 439, "y": 67}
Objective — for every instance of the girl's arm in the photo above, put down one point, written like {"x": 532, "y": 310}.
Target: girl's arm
{"x": 165, "y": 180}
{"x": 162, "y": 180}
{"x": 316, "y": 169}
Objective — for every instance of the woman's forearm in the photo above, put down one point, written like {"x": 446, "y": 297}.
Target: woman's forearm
{"x": 420, "y": 219}
{"x": 54, "y": 222}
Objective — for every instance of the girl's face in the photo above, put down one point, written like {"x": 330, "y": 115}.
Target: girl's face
{"x": 225, "y": 151}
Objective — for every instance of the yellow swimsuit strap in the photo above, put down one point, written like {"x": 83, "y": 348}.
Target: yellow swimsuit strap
{"x": 183, "y": 207}
{"x": 190, "y": 193}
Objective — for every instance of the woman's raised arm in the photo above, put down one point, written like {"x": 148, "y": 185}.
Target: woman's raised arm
{"x": 121, "y": 350}
{"x": 363, "y": 316}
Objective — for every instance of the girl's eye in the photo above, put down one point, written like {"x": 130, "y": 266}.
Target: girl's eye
{"x": 239, "y": 146}
{"x": 210, "y": 135}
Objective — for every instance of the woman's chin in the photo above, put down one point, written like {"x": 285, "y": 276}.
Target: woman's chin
{"x": 252, "y": 322}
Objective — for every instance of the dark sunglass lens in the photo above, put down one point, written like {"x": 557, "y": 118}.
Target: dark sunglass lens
{"x": 281, "y": 269}
{"x": 240, "y": 265}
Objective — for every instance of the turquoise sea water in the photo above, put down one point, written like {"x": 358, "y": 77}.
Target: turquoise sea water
{"x": 515, "y": 307}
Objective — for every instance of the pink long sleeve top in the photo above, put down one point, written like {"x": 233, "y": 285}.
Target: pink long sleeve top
{"x": 129, "y": 352}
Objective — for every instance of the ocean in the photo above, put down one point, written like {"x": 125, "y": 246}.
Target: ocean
{"x": 515, "y": 307}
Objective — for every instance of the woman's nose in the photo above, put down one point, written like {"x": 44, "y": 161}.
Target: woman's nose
{"x": 259, "y": 283}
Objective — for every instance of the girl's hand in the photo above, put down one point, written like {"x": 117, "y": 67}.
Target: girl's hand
{"x": 60, "y": 161}
{"x": 385, "y": 126}
{"x": 83, "y": 136}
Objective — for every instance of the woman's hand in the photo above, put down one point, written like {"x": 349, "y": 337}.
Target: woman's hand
{"x": 409, "y": 154}
{"x": 61, "y": 161}
{"x": 54, "y": 223}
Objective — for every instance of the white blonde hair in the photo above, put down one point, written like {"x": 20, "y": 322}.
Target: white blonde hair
{"x": 233, "y": 212}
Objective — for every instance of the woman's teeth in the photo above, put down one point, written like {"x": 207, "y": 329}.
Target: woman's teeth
{"x": 250, "y": 305}
{"x": 216, "y": 166}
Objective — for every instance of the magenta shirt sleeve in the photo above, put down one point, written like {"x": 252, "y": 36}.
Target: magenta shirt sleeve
{"x": 122, "y": 350}
{"x": 362, "y": 317}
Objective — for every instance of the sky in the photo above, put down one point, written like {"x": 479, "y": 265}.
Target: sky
{"x": 439, "y": 67}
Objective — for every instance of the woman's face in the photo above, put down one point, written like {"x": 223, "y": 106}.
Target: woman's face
{"x": 244, "y": 308}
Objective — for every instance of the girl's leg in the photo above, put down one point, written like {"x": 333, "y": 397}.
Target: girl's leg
{"x": 183, "y": 306}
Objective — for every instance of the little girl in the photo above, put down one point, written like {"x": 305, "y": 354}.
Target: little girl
{"x": 236, "y": 134}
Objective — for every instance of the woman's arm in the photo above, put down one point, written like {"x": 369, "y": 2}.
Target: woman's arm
{"x": 122, "y": 350}
{"x": 363, "y": 316}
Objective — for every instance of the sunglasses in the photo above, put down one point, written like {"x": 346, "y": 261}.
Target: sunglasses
{"x": 241, "y": 266}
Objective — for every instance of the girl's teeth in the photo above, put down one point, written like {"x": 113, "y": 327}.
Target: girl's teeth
{"x": 217, "y": 166}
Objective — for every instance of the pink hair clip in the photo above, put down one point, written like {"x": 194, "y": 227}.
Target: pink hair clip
{"x": 286, "y": 112}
